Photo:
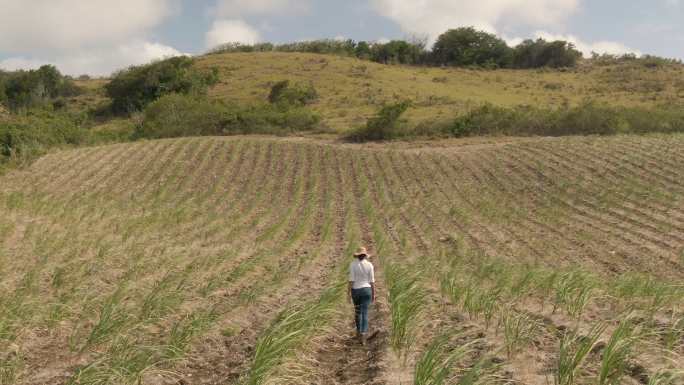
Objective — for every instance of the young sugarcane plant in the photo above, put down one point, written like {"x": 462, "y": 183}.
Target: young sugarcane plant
{"x": 406, "y": 300}
{"x": 519, "y": 329}
{"x": 436, "y": 364}
{"x": 572, "y": 353}
{"x": 617, "y": 352}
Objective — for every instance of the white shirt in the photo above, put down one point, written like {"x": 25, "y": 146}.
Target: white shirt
{"x": 361, "y": 273}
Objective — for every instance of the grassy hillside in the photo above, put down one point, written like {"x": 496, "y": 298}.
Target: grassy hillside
{"x": 351, "y": 89}
{"x": 221, "y": 260}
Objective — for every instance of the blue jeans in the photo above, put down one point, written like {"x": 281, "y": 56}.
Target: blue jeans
{"x": 362, "y": 298}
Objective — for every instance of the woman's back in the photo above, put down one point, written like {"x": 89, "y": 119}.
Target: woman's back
{"x": 361, "y": 273}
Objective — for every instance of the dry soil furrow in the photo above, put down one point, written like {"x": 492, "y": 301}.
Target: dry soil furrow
{"x": 246, "y": 211}
{"x": 340, "y": 359}
{"x": 99, "y": 172}
{"x": 437, "y": 184}
{"x": 391, "y": 188}
{"x": 483, "y": 179}
{"x": 641, "y": 222}
{"x": 295, "y": 285}
{"x": 656, "y": 213}
{"x": 619, "y": 175}
{"x": 600, "y": 224}
{"x": 474, "y": 217}
{"x": 638, "y": 218}
{"x": 69, "y": 170}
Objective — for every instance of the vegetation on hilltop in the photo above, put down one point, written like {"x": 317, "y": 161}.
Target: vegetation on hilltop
{"x": 461, "y": 47}
{"x": 134, "y": 88}
{"x": 21, "y": 90}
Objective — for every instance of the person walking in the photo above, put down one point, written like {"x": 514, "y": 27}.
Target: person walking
{"x": 361, "y": 290}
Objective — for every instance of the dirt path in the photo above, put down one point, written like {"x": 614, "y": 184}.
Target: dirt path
{"x": 343, "y": 360}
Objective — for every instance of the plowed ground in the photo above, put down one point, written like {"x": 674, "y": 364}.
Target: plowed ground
{"x": 173, "y": 261}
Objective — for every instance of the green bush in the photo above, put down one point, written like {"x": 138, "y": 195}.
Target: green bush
{"x": 470, "y": 47}
{"x": 541, "y": 53}
{"x": 22, "y": 90}
{"x": 181, "y": 115}
{"x": 586, "y": 119}
{"x": 25, "y": 137}
{"x": 134, "y": 88}
{"x": 383, "y": 126}
{"x": 286, "y": 95}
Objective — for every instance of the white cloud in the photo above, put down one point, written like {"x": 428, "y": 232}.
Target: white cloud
{"x": 238, "y": 8}
{"x": 54, "y": 25}
{"x": 98, "y": 62}
{"x": 433, "y": 17}
{"x": 231, "y": 31}
{"x": 587, "y": 48}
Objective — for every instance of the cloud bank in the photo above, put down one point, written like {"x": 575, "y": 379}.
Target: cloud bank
{"x": 230, "y": 26}
{"x": 94, "y": 36}
{"x": 98, "y": 61}
{"x": 430, "y": 18}
{"x": 231, "y": 31}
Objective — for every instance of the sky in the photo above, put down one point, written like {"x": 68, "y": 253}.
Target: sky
{"x": 98, "y": 37}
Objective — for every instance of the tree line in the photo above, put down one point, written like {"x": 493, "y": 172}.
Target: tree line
{"x": 461, "y": 47}
{"x": 35, "y": 88}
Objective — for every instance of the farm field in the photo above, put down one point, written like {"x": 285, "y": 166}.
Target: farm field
{"x": 223, "y": 260}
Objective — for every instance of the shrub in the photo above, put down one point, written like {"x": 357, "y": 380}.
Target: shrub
{"x": 286, "y": 95}
{"x": 399, "y": 52}
{"x": 383, "y": 126}
{"x": 25, "y": 137}
{"x": 182, "y": 115}
{"x": 586, "y": 119}
{"x": 134, "y": 88}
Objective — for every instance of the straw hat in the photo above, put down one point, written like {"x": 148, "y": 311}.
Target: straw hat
{"x": 362, "y": 251}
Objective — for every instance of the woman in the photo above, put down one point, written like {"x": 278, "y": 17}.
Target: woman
{"x": 361, "y": 290}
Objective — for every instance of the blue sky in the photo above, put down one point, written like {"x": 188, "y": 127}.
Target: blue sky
{"x": 100, "y": 36}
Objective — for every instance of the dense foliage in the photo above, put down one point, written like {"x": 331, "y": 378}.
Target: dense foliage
{"x": 464, "y": 46}
{"x": 286, "y": 94}
{"x": 26, "y": 136}
{"x": 134, "y": 88}
{"x": 34, "y": 88}
{"x": 468, "y": 46}
{"x": 540, "y": 53}
{"x": 383, "y": 126}
{"x": 177, "y": 115}
{"x": 585, "y": 119}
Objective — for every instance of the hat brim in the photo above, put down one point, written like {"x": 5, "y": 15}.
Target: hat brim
{"x": 361, "y": 254}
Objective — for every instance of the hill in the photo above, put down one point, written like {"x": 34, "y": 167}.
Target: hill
{"x": 222, "y": 260}
{"x": 351, "y": 89}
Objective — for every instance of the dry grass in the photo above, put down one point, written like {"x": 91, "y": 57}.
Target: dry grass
{"x": 351, "y": 90}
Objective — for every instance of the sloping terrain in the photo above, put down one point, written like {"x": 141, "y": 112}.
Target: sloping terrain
{"x": 350, "y": 89}
{"x": 222, "y": 260}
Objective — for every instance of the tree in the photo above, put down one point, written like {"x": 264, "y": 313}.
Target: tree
{"x": 540, "y": 53}
{"x": 362, "y": 50}
{"x": 467, "y": 46}
{"x": 398, "y": 52}
{"x": 27, "y": 89}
